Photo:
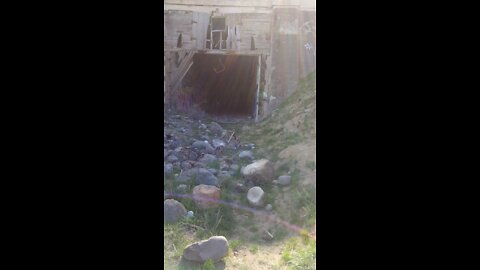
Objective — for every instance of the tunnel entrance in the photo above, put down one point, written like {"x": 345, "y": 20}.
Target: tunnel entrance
{"x": 224, "y": 85}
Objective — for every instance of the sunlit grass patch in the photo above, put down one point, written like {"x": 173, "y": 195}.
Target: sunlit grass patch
{"x": 218, "y": 221}
{"x": 174, "y": 241}
{"x": 253, "y": 249}
{"x": 235, "y": 245}
{"x": 299, "y": 255}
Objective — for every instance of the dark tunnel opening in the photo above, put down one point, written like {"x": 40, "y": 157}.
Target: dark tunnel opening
{"x": 223, "y": 85}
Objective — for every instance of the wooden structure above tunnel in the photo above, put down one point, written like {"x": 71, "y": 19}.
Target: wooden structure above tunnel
{"x": 282, "y": 34}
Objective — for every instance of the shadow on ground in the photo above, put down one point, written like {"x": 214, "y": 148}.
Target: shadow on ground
{"x": 187, "y": 265}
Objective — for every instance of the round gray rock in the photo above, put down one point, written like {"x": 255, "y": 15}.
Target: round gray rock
{"x": 172, "y": 158}
{"x": 246, "y": 155}
{"x": 201, "y": 144}
{"x": 173, "y": 211}
{"x": 206, "y": 177}
{"x": 259, "y": 172}
{"x": 214, "y": 248}
{"x": 187, "y": 175}
{"x": 268, "y": 207}
{"x": 284, "y": 180}
{"x": 255, "y": 196}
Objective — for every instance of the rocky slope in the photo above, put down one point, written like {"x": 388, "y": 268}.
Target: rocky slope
{"x": 252, "y": 183}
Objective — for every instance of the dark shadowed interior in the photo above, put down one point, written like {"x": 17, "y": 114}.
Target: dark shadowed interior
{"x": 223, "y": 84}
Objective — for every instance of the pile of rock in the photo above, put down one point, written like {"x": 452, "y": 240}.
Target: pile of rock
{"x": 205, "y": 160}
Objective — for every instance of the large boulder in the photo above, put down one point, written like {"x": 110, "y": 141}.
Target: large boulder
{"x": 206, "y": 196}
{"x": 256, "y": 196}
{"x": 214, "y": 248}
{"x": 259, "y": 172}
{"x": 173, "y": 211}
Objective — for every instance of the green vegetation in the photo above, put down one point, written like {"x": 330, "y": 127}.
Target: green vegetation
{"x": 253, "y": 249}
{"x": 303, "y": 211}
{"x": 271, "y": 136}
{"x": 235, "y": 245}
{"x": 216, "y": 221}
{"x": 209, "y": 265}
{"x": 299, "y": 255}
{"x": 174, "y": 242}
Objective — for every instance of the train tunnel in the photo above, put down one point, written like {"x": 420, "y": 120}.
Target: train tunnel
{"x": 224, "y": 85}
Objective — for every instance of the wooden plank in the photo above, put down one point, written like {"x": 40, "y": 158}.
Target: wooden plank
{"x": 177, "y": 84}
{"x": 258, "y": 88}
{"x": 184, "y": 65}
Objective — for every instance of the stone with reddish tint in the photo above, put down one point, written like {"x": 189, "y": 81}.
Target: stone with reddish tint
{"x": 206, "y": 196}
